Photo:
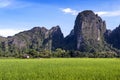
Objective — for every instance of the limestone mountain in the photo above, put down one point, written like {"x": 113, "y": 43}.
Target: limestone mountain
{"x": 2, "y": 38}
{"x": 113, "y": 37}
{"x": 69, "y": 41}
{"x": 38, "y": 38}
{"x": 88, "y": 33}
{"x": 55, "y": 38}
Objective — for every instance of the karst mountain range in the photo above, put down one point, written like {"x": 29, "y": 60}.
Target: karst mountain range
{"x": 89, "y": 34}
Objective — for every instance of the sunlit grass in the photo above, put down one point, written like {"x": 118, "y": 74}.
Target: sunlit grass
{"x": 60, "y": 69}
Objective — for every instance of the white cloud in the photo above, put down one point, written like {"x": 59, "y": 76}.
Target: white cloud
{"x": 5, "y": 3}
{"x": 108, "y": 13}
{"x": 69, "y": 11}
{"x": 8, "y": 32}
{"x": 100, "y": 13}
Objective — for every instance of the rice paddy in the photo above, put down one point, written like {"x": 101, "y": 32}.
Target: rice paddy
{"x": 60, "y": 69}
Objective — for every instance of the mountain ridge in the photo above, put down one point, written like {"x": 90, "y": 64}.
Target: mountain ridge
{"x": 88, "y": 35}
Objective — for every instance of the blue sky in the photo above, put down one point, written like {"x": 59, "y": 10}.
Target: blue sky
{"x": 20, "y": 15}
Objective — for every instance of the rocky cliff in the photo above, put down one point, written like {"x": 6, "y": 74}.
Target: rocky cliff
{"x": 89, "y": 35}
{"x": 38, "y": 38}
{"x": 113, "y": 37}
{"x": 69, "y": 41}
{"x": 89, "y": 30}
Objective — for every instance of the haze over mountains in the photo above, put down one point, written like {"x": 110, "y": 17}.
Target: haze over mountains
{"x": 88, "y": 35}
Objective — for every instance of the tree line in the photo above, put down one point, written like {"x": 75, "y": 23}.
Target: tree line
{"x": 58, "y": 53}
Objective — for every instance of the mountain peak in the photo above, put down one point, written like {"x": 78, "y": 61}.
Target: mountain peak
{"x": 89, "y": 30}
{"x": 55, "y": 27}
{"x": 87, "y": 12}
{"x": 38, "y": 28}
{"x": 87, "y": 36}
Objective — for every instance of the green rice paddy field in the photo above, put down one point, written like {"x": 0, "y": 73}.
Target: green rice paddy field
{"x": 60, "y": 69}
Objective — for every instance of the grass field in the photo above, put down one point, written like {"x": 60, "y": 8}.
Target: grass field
{"x": 60, "y": 69}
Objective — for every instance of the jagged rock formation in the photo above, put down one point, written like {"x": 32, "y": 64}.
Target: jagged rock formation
{"x": 38, "y": 38}
{"x": 107, "y": 35}
{"x": 2, "y": 38}
{"x": 55, "y": 38}
{"x": 113, "y": 37}
{"x": 89, "y": 35}
{"x": 69, "y": 41}
{"x": 88, "y": 32}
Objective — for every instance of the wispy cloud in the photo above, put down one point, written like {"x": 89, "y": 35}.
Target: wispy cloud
{"x": 108, "y": 13}
{"x": 8, "y": 32}
{"x": 13, "y": 4}
{"x": 69, "y": 11}
{"x": 100, "y": 13}
{"x": 5, "y": 3}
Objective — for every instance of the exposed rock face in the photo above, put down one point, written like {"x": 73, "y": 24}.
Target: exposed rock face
{"x": 87, "y": 36}
{"x": 113, "y": 37}
{"x": 69, "y": 41}
{"x": 55, "y": 38}
{"x": 31, "y": 39}
{"x": 2, "y": 38}
{"x": 38, "y": 38}
{"x": 88, "y": 30}
{"x": 107, "y": 35}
